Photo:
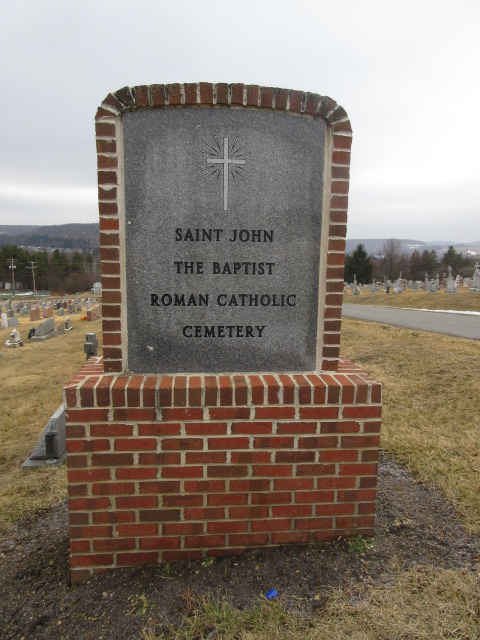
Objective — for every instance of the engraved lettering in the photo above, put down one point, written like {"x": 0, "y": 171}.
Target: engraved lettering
{"x": 251, "y": 235}
{"x": 179, "y": 300}
{"x": 198, "y": 235}
{"x": 242, "y": 268}
{"x": 188, "y": 267}
{"x": 223, "y": 331}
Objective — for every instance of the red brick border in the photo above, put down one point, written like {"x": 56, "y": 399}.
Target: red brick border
{"x": 179, "y": 467}
{"x": 310, "y": 105}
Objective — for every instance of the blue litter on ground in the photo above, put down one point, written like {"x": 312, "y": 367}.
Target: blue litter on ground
{"x": 273, "y": 593}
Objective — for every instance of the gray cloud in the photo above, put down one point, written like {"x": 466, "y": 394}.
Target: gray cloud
{"x": 406, "y": 73}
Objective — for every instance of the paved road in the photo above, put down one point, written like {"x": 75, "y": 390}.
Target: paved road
{"x": 455, "y": 324}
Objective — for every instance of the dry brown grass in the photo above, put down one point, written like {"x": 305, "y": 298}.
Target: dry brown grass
{"x": 463, "y": 300}
{"x": 431, "y": 393}
{"x": 417, "y": 605}
{"x": 431, "y": 423}
{"x": 31, "y": 382}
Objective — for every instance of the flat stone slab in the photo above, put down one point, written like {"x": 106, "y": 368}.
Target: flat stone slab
{"x": 52, "y": 334}
{"x": 223, "y": 226}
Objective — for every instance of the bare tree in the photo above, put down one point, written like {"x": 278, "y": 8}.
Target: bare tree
{"x": 394, "y": 259}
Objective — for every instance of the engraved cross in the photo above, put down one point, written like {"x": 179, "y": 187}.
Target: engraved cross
{"x": 225, "y": 161}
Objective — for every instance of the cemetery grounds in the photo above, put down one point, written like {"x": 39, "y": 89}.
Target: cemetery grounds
{"x": 462, "y": 300}
{"x": 419, "y": 578}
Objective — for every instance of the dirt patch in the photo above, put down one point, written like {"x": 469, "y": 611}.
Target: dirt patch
{"x": 415, "y": 527}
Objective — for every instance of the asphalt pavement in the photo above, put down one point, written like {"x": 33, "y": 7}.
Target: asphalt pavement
{"x": 462, "y": 324}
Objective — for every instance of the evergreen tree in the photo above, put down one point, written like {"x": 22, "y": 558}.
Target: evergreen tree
{"x": 429, "y": 263}
{"x": 460, "y": 264}
{"x": 359, "y": 264}
{"x": 416, "y": 270}
{"x": 78, "y": 262}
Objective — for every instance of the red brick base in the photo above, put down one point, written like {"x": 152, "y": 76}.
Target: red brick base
{"x": 178, "y": 467}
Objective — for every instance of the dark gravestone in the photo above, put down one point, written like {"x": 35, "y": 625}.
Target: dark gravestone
{"x": 223, "y": 214}
{"x": 90, "y": 346}
{"x": 50, "y": 448}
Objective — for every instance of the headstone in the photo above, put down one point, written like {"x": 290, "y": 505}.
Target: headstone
{"x": 4, "y": 321}
{"x": 97, "y": 288}
{"x": 10, "y": 313}
{"x": 45, "y": 331}
{"x": 72, "y": 307}
{"x": 48, "y": 313}
{"x": 61, "y": 311}
{"x": 93, "y": 313}
{"x": 9, "y": 305}
{"x": 426, "y": 285}
{"x": 466, "y": 282}
{"x": 14, "y": 340}
{"x": 68, "y": 324}
{"x": 410, "y": 284}
{"x": 50, "y": 448}
{"x": 13, "y": 322}
{"x": 35, "y": 314}
{"x": 398, "y": 288}
{"x": 90, "y": 346}
{"x": 356, "y": 290}
{"x": 451, "y": 284}
{"x": 415, "y": 286}
{"x": 475, "y": 279}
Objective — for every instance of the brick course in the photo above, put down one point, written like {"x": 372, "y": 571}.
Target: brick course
{"x": 151, "y": 481}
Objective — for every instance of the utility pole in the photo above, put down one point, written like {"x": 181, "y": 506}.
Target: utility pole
{"x": 12, "y": 265}
{"x": 33, "y": 266}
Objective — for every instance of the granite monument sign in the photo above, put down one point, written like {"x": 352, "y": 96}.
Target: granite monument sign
{"x": 223, "y": 213}
{"x": 221, "y": 415}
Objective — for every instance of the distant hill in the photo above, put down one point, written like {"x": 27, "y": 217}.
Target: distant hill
{"x": 78, "y": 236}
{"x": 74, "y": 236}
{"x": 373, "y": 246}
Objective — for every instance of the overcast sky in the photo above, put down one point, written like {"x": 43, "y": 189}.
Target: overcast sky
{"x": 406, "y": 72}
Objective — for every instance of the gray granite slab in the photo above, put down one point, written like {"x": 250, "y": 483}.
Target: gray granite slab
{"x": 45, "y": 331}
{"x": 222, "y": 269}
{"x": 56, "y": 426}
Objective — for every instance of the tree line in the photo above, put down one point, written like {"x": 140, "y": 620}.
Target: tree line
{"x": 56, "y": 271}
{"x": 393, "y": 259}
